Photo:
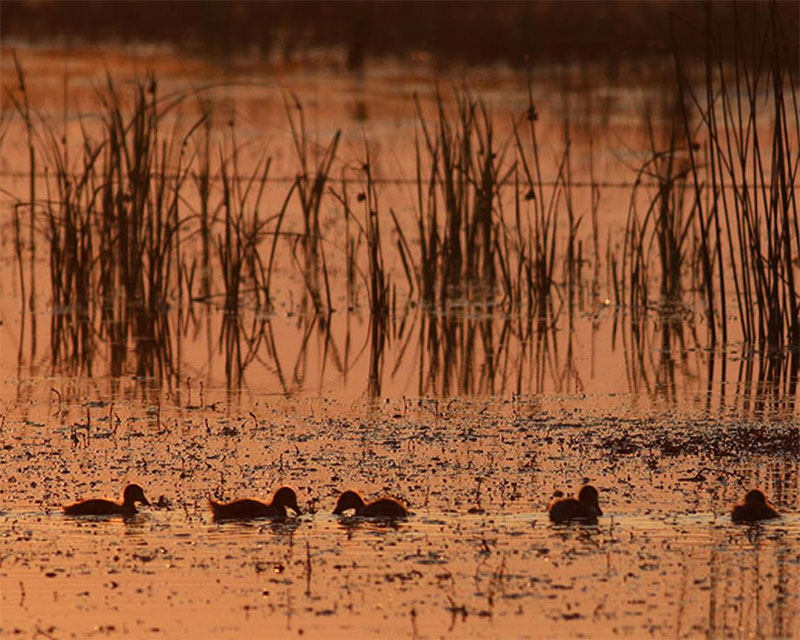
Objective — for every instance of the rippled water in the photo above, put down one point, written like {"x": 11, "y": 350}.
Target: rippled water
{"x": 477, "y": 557}
{"x": 489, "y": 575}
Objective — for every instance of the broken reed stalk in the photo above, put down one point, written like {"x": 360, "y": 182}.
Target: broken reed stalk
{"x": 378, "y": 280}
{"x": 349, "y": 250}
{"x": 594, "y": 208}
{"x": 206, "y": 215}
{"x": 427, "y": 224}
{"x": 375, "y": 279}
{"x": 571, "y": 263}
{"x": 276, "y": 234}
{"x": 406, "y": 256}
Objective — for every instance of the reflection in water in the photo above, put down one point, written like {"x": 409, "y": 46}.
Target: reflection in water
{"x": 352, "y": 524}
{"x": 748, "y": 585}
{"x": 664, "y": 560}
{"x": 467, "y": 350}
{"x": 278, "y": 526}
{"x": 475, "y": 578}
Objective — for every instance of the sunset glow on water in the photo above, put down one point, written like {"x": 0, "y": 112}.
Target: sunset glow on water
{"x": 314, "y": 298}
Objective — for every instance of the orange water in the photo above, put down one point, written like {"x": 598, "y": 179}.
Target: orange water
{"x": 474, "y": 428}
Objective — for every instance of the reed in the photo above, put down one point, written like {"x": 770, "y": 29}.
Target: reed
{"x": 712, "y": 212}
{"x": 242, "y": 228}
{"x": 750, "y": 174}
{"x": 537, "y": 217}
{"x": 663, "y": 228}
{"x": 378, "y": 280}
{"x": 458, "y": 172}
{"x": 111, "y": 220}
{"x": 315, "y": 163}
{"x": 23, "y": 109}
{"x": 428, "y": 233}
{"x": 206, "y": 213}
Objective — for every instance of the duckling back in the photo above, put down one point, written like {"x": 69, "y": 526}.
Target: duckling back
{"x": 569, "y": 509}
{"x": 245, "y": 510}
{"x": 754, "y": 508}
{"x": 99, "y": 507}
{"x": 383, "y": 508}
{"x": 586, "y": 507}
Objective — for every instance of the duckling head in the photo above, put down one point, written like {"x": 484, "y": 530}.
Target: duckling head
{"x": 348, "y": 500}
{"x": 589, "y": 496}
{"x": 755, "y": 498}
{"x": 134, "y": 493}
{"x": 286, "y": 497}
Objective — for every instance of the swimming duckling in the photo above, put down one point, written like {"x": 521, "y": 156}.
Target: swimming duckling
{"x": 383, "y": 508}
{"x": 755, "y": 508}
{"x": 247, "y": 509}
{"x": 98, "y": 507}
{"x": 586, "y": 507}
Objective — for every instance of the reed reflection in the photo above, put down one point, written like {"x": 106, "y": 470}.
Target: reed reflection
{"x": 469, "y": 350}
{"x": 749, "y": 587}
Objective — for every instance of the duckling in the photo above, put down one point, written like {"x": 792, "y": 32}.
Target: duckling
{"x": 247, "y": 509}
{"x": 98, "y": 507}
{"x": 755, "y": 508}
{"x": 383, "y": 508}
{"x": 586, "y": 507}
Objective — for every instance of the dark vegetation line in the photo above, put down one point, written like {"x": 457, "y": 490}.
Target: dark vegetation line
{"x": 378, "y": 180}
{"x": 132, "y": 224}
{"x": 515, "y": 32}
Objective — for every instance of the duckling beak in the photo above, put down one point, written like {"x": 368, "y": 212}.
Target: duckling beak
{"x": 599, "y": 510}
{"x": 144, "y": 501}
{"x": 295, "y": 508}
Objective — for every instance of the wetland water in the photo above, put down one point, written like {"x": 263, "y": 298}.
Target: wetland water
{"x": 478, "y": 556}
{"x": 470, "y": 415}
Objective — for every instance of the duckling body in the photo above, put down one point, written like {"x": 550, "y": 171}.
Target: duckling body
{"x": 382, "y": 508}
{"x": 248, "y": 509}
{"x": 132, "y": 494}
{"x": 586, "y": 507}
{"x": 754, "y": 508}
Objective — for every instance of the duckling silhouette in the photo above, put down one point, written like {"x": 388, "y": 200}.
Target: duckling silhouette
{"x": 586, "y": 507}
{"x": 382, "y": 508}
{"x": 754, "y": 508}
{"x": 132, "y": 494}
{"x": 247, "y": 509}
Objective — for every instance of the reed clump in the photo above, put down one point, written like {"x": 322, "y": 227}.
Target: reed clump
{"x": 745, "y": 177}
{"x": 147, "y": 199}
{"x": 311, "y": 183}
{"x": 658, "y": 239}
{"x": 459, "y": 173}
